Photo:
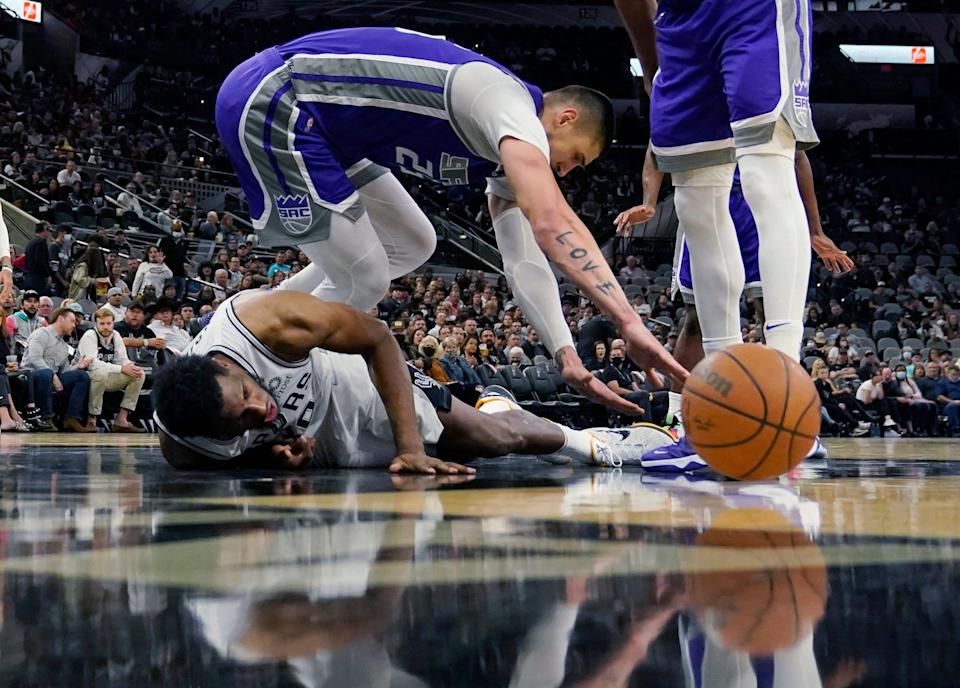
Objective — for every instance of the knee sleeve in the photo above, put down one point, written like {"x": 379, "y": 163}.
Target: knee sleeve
{"x": 531, "y": 279}
{"x": 405, "y": 232}
{"x": 703, "y": 206}
{"x": 769, "y": 182}
{"x": 353, "y": 261}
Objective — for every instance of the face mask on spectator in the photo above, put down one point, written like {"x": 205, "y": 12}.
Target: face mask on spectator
{"x": 429, "y": 351}
{"x": 901, "y": 375}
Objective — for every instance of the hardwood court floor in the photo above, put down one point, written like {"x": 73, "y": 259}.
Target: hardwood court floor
{"x": 116, "y": 570}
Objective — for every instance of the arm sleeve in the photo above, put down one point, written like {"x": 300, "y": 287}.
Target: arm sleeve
{"x": 531, "y": 279}
{"x": 119, "y": 350}
{"x": 4, "y": 240}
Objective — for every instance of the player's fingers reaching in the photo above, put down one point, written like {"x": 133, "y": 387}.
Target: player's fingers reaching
{"x": 598, "y": 392}
{"x": 845, "y": 262}
{"x": 421, "y": 463}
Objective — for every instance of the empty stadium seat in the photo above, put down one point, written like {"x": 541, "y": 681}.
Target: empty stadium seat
{"x": 517, "y": 383}
{"x": 887, "y": 343}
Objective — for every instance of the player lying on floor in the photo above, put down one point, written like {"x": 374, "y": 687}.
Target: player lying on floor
{"x": 285, "y": 380}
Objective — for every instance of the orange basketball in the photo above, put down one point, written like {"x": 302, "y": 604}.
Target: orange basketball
{"x": 751, "y": 412}
{"x": 756, "y": 591}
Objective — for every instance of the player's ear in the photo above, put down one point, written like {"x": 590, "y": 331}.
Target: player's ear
{"x": 568, "y": 116}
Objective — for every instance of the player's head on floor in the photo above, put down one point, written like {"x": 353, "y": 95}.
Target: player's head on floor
{"x": 210, "y": 396}
{"x": 580, "y": 123}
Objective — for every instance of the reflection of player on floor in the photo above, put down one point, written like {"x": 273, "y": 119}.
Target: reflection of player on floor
{"x": 312, "y": 125}
{"x": 267, "y": 384}
{"x": 733, "y": 88}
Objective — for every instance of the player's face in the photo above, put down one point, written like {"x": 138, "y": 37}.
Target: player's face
{"x": 246, "y": 404}
{"x": 571, "y": 148}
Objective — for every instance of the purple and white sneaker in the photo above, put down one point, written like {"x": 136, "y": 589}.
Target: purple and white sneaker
{"x": 673, "y": 458}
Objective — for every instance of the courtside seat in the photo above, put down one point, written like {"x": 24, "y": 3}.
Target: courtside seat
{"x": 520, "y": 386}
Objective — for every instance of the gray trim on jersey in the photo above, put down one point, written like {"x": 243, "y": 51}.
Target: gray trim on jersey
{"x": 448, "y": 105}
{"x": 754, "y": 290}
{"x": 367, "y": 174}
{"x": 395, "y": 94}
{"x": 755, "y": 136}
{"x": 798, "y": 73}
{"x": 323, "y": 65}
{"x": 694, "y": 161}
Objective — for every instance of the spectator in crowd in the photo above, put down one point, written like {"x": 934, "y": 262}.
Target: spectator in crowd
{"x": 870, "y": 394}
{"x": 87, "y": 270}
{"x": 839, "y": 404}
{"x": 36, "y": 271}
{"x": 61, "y": 385}
{"x": 428, "y": 361}
{"x": 920, "y": 279}
{"x": 114, "y": 304}
{"x": 919, "y": 414}
{"x": 162, "y": 324}
{"x": 128, "y": 200}
{"x": 517, "y": 358}
{"x": 279, "y": 264}
{"x": 110, "y": 371}
{"x": 174, "y": 249}
{"x": 154, "y": 273}
{"x": 26, "y": 321}
{"x": 617, "y": 376}
{"x": 210, "y": 227}
{"x": 597, "y": 361}
{"x": 137, "y": 335}
{"x": 948, "y": 394}
{"x": 929, "y": 382}
{"x": 533, "y": 347}
{"x": 456, "y": 366}
{"x": 868, "y": 366}
{"x": 117, "y": 280}
{"x": 631, "y": 269}
{"x": 221, "y": 279}
{"x": 45, "y": 308}
{"x": 69, "y": 176}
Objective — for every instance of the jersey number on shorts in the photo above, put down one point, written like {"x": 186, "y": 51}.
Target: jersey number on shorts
{"x": 454, "y": 170}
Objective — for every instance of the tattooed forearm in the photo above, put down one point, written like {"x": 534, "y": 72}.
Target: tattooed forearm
{"x": 578, "y": 253}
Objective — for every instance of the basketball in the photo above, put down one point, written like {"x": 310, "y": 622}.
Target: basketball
{"x": 756, "y": 590}
{"x": 751, "y": 412}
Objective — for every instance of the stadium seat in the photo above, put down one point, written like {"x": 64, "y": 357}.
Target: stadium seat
{"x": 130, "y": 220}
{"x": 882, "y": 328}
{"x": 489, "y": 376}
{"x": 881, "y": 261}
{"x": 950, "y": 250}
{"x": 808, "y": 332}
{"x": 947, "y": 262}
{"x": 944, "y": 272}
{"x": 913, "y": 343}
{"x": 938, "y": 343}
{"x": 88, "y": 306}
{"x": 520, "y": 386}
{"x": 869, "y": 247}
{"x": 544, "y": 390}
{"x": 891, "y": 311}
{"x": 891, "y": 353}
{"x": 808, "y": 361}
{"x": 108, "y": 219}
{"x": 86, "y": 216}
{"x": 925, "y": 261}
{"x": 858, "y": 332}
{"x": 848, "y": 246}
{"x": 888, "y": 248}
{"x": 887, "y": 343}
{"x": 63, "y": 213}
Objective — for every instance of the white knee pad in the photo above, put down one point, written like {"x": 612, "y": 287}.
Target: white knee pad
{"x": 405, "y": 232}
{"x": 354, "y": 263}
{"x": 703, "y": 206}
{"x": 531, "y": 279}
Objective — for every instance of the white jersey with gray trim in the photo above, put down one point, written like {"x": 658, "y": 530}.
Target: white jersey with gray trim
{"x": 302, "y": 390}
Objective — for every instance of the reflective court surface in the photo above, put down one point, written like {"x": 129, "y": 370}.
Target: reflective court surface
{"x": 116, "y": 570}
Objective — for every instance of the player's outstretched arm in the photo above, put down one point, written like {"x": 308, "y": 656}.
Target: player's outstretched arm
{"x": 6, "y": 265}
{"x": 571, "y": 247}
{"x": 835, "y": 259}
{"x": 652, "y": 181}
{"x": 291, "y": 324}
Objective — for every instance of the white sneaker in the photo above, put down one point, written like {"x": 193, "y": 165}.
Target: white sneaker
{"x": 626, "y": 446}
{"x": 861, "y": 429}
{"x": 818, "y": 451}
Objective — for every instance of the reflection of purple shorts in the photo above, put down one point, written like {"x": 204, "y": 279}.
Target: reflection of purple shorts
{"x": 728, "y": 71}
{"x": 749, "y": 249}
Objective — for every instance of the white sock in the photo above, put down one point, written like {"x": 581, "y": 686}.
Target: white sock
{"x": 702, "y": 201}
{"x": 577, "y": 445}
{"x": 770, "y": 187}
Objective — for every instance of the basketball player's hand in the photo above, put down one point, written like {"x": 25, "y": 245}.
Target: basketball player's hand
{"x": 421, "y": 463}
{"x": 649, "y": 354}
{"x": 836, "y": 260}
{"x": 635, "y": 216}
{"x": 579, "y": 378}
{"x": 296, "y": 453}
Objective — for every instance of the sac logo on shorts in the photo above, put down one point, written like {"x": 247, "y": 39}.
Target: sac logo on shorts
{"x": 294, "y": 213}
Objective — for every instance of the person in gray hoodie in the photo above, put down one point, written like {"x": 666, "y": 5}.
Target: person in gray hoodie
{"x": 59, "y": 384}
